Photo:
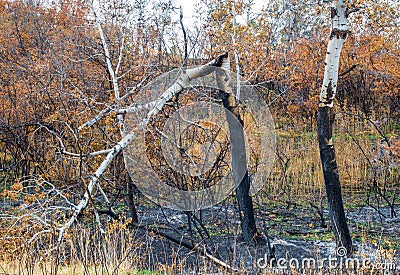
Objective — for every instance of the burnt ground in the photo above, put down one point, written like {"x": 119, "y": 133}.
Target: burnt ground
{"x": 294, "y": 232}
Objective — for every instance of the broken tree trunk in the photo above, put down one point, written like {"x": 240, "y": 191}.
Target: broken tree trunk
{"x": 325, "y": 119}
{"x": 239, "y": 160}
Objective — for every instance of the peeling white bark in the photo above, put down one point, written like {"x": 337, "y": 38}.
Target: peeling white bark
{"x": 338, "y": 35}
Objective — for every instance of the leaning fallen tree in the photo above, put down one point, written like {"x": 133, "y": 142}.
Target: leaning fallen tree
{"x": 153, "y": 108}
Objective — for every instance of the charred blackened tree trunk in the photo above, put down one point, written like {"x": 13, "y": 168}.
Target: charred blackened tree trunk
{"x": 238, "y": 149}
{"x": 130, "y": 199}
{"x": 338, "y": 35}
{"x": 248, "y": 224}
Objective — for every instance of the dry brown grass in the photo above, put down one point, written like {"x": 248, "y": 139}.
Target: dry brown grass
{"x": 298, "y": 175}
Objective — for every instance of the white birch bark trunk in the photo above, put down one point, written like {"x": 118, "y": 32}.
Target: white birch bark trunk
{"x": 110, "y": 68}
{"x": 338, "y": 35}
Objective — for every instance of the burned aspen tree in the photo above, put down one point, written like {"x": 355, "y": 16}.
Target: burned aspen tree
{"x": 325, "y": 120}
{"x": 239, "y": 159}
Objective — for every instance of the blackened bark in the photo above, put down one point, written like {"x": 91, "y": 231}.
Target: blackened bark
{"x": 239, "y": 167}
{"x": 248, "y": 223}
{"x": 131, "y": 202}
{"x": 185, "y": 43}
{"x": 331, "y": 176}
{"x": 238, "y": 152}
